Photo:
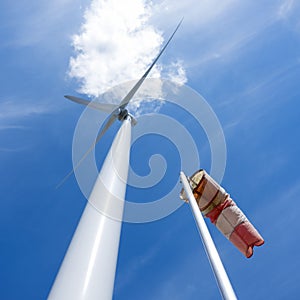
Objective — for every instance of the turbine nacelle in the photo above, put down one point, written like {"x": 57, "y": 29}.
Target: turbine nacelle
{"x": 122, "y": 114}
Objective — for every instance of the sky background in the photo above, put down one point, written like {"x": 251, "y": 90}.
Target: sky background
{"x": 241, "y": 56}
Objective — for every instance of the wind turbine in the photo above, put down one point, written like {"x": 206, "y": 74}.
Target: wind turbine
{"x": 88, "y": 268}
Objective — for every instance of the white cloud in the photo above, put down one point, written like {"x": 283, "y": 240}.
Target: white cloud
{"x": 117, "y": 43}
{"x": 175, "y": 72}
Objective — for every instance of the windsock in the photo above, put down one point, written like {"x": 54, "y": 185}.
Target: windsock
{"x": 216, "y": 204}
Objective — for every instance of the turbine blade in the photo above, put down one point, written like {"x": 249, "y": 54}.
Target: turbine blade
{"x": 109, "y": 122}
{"x": 96, "y": 105}
{"x": 131, "y": 93}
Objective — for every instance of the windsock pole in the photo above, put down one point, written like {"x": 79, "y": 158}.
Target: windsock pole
{"x": 219, "y": 271}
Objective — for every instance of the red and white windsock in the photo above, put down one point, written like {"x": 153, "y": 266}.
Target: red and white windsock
{"x": 217, "y": 205}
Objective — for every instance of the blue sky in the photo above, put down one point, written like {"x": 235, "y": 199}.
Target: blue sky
{"x": 243, "y": 58}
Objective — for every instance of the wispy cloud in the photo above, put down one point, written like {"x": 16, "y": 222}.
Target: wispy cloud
{"x": 13, "y": 114}
{"x": 116, "y": 43}
{"x": 35, "y": 23}
{"x": 217, "y": 31}
{"x": 8, "y": 127}
{"x": 13, "y": 110}
{"x": 185, "y": 284}
{"x": 197, "y": 13}
{"x": 285, "y": 8}
{"x": 135, "y": 266}
{"x": 8, "y": 133}
{"x": 19, "y": 149}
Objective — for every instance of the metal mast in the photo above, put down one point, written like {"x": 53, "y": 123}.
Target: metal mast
{"x": 215, "y": 261}
{"x": 88, "y": 269}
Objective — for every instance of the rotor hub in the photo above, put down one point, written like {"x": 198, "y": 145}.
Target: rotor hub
{"x": 122, "y": 114}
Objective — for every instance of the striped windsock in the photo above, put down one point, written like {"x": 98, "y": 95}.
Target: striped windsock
{"x": 217, "y": 205}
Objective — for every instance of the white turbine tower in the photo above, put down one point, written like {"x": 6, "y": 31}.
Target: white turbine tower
{"x": 88, "y": 268}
